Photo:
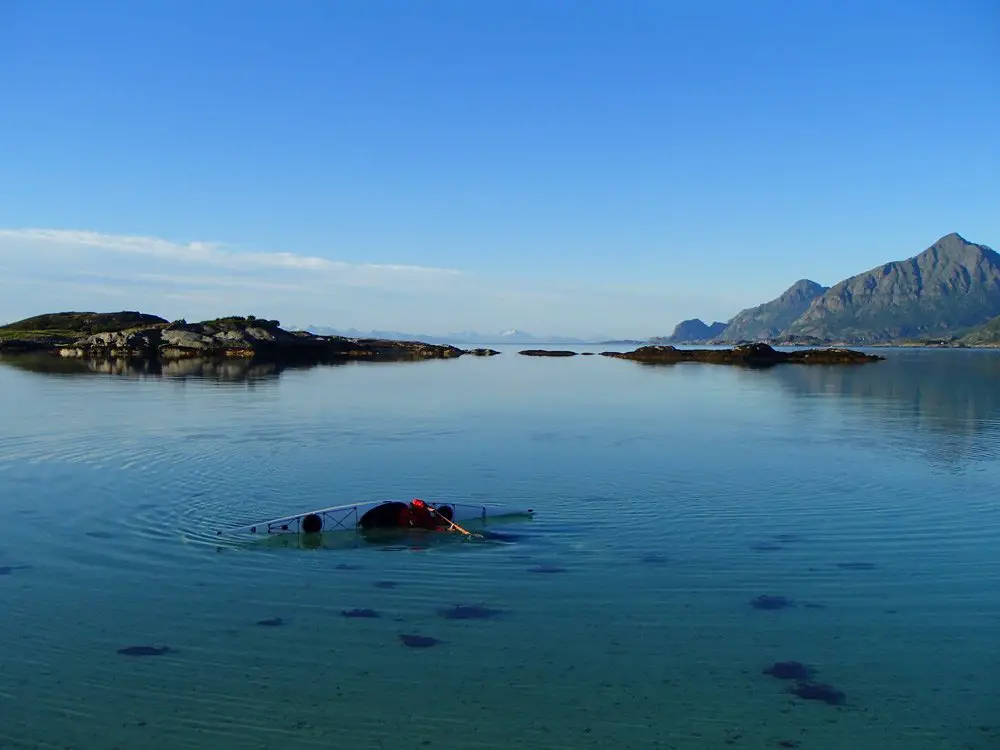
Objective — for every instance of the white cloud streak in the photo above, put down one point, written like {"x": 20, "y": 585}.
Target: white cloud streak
{"x": 212, "y": 253}
{"x": 60, "y": 269}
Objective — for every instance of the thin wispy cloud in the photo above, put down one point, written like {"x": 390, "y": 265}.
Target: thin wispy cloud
{"x": 205, "y": 253}
{"x": 50, "y": 270}
{"x": 190, "y": 281}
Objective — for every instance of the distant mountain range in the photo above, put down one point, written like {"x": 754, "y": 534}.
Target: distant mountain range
{"x": 512, "y": 336}
{"x": 950, "y": 293}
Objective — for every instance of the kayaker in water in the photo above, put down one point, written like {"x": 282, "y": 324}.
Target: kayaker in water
{"x": 413, "y": 515}
{"x": 420, "y": 516}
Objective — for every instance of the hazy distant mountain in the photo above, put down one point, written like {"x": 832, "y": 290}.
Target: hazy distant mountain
{"x": 694, "y": 330}
{"x": 770, "y": 319}
{"x": 512, "y": 336}
{"x": 948, "y": 288}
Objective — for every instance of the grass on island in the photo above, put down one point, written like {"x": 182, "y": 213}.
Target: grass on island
{"x": 238, "y": 321}
{"x": 75, "y": 324}
{"x": 70, "y": 326}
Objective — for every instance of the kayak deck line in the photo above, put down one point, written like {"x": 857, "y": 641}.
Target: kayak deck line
{"x": 349, "y": 517}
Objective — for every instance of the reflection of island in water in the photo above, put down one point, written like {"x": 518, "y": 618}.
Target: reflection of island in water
{"x": 225, "y": 369}
{"x": 953, "y": 395}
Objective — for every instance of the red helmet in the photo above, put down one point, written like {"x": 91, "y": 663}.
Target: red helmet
{"x": 418, "y": 503}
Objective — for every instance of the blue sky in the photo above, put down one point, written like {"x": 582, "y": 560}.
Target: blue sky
{"x": 562, "y": 167}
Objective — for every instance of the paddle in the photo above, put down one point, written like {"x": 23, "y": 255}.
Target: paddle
{"x": 450, "y": 522}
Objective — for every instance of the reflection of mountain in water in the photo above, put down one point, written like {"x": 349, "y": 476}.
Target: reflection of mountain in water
{"x": 195, "y": 367}
{"x": 954, "y": 395}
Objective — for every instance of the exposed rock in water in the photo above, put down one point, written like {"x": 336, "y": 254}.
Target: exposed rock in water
{"x": 142, "y": 342}
{"x": 750, "y": 355}
{"x": 482, "y": 352}
{"x": 547, "y": 353}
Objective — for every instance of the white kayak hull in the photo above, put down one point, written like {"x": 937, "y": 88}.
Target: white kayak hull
{"x": 347, "y": 517}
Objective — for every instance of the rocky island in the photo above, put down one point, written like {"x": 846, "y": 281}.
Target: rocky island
{"x": 749, "y": 355}
{"x": 547, "y": 353}
{"x": 134, "y": 335}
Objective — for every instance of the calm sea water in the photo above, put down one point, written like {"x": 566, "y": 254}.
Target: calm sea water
{"x": 667, "y": 499}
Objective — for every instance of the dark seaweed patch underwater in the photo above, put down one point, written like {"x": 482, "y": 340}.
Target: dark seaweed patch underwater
{"x": 418, "y": 641}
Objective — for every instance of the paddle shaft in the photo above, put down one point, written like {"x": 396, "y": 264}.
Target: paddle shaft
{"x": 453, "y": 524}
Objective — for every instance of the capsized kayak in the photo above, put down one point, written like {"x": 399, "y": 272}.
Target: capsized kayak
{"x": 366, "y": 515}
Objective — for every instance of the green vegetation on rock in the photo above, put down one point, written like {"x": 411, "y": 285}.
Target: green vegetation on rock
{"x": 987, "y": 334}
{"x": 81, "y": 323}
{"x": 237, "y": 322}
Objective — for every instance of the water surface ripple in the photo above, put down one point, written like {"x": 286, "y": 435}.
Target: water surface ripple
{"x": 668, "y": 500}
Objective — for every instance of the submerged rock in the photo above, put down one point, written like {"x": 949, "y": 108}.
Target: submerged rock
{"x": 814, "y": 691}
{"x": 418, "y": 641}
{"x": 790, "y": 670}
{"x": 359, "y": 613}
{"x": 468, "y": 612}
{"x": 766, "y": 601}
{"x": 654, "y": 558}
{"x": 146, "y": 650}
{"x": 545, "y": 568}
{"x": 273, "y": 622}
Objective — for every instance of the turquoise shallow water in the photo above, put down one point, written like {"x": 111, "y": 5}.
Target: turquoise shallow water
{"x": 667, "y": 497}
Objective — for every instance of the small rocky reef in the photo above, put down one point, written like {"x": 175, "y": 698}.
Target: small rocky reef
{"x": 142, "y": 336}
{"x": 547, "y": 353}
{"x": 749, "y": 355}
